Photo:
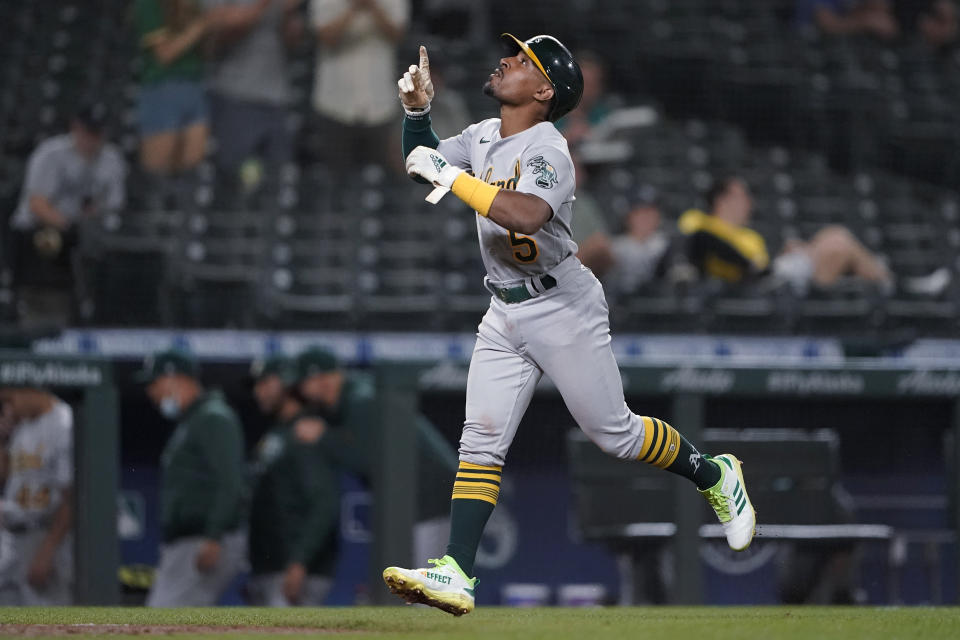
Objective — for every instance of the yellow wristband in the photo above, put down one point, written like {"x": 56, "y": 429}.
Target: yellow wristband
{"x": 475, "y": 192}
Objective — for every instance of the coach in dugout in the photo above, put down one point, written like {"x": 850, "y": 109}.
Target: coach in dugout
{"x": 347, "y": 402}
{"x": 36, "y": 513}
{"x": 69, "y": 177}
{"x": 295, "y": 505}
{"x": 201, "y": 490}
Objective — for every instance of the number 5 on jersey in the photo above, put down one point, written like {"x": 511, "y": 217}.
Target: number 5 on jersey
{"x": 524, "y": 248}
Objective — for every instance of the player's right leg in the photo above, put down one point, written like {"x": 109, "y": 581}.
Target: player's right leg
{"x": 572, "y": 344}
{"x": 499, "y": 387}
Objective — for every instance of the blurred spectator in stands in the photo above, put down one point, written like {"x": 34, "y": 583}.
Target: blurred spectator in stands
{"x": 848, "y": 17}
{"x": 250, "y": 90}
{"x": 69, "y": 177}
{"x": 595, "y": 104}
{"x": 938, "y": 25}
{"x": 355, "y": 90}
{"x": 720, "y": 245}
{"x": 36, "y": 512}
{"x": 348, "y": 403}
{"x": 172, "y": 103}
{"x": 588, "y": 225}
{"x": 294, "y": 510}
{"x": 639, "y": 252}
{"x": 201, "y": 486}
{"x": 934, "y": 21}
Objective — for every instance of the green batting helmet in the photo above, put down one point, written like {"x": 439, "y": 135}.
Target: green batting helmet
{"x": 555, "y": 62}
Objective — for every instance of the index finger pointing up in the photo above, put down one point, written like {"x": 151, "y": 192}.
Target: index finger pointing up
{"x": 424, "y": 60}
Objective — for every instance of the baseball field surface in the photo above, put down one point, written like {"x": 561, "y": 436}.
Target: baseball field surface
{"x": 489, "y": 623}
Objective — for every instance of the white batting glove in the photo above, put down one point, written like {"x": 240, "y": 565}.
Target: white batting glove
{"x": 432, "y": 167}
{"x": 416, "y": 87}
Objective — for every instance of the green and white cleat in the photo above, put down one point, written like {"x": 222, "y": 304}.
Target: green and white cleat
{"x": 444, "y": 586}
{"x": 729, "y": 499}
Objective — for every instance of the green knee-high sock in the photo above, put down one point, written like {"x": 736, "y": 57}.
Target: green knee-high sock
{"x": 664, "y": 447}
{"x": 475, "y": 494}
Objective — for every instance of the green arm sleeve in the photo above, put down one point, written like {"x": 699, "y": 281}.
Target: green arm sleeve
{"x": 223, "y": 448}
{"x": 418, "y": 132}
{"x": 320, "y": 484}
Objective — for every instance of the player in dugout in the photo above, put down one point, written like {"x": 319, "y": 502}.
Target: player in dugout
{"x": 295, "y": 501}
{"x": 202, "y": 485}
{"x": 36, "y": 513}
{"x": 347, "y": 401}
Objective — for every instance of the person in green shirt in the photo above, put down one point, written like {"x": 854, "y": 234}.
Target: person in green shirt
{"x": 348, "y": 402}
{"x": 201, "y": 487}
{"x": 272, "y": 378}
{"x": 295, "y": 499}
{"x": 172, "y": 109}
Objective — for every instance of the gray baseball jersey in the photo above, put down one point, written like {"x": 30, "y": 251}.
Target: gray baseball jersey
{"x": 534, "y": 161}
{"x": 563, "y": 331}
{"x": 41, "y": 467}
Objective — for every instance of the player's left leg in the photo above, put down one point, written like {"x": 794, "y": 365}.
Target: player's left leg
{"x": 570, "y": 339}
{"x": 500, "y": 385}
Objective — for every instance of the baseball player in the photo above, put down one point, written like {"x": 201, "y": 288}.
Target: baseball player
{"x": 295, "y": 503}
{"x": 347, "y": 401}
{"x": 271, "y": 388}
{"x": 547, "y": 312}
{"x": 36, "y": 461}
{"x": 201, "y": 489}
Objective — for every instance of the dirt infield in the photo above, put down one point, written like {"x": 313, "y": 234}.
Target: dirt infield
{"x": 33, "y": 630}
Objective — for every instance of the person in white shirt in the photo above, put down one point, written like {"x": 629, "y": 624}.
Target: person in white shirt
{"x": 639, "y": 251}
{"x": 69, "y": 177}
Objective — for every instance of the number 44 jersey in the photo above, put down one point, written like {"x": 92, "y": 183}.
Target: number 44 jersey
{"x": 41, "y": 467}
{"x": 534, "y": 161}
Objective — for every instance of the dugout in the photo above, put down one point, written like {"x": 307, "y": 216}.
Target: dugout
{"x": 867, "y": 404}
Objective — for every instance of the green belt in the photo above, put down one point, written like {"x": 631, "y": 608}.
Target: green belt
{"x": 513, "y": 295}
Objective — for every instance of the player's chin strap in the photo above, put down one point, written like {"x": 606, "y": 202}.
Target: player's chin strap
{"x": 475, "y": 192}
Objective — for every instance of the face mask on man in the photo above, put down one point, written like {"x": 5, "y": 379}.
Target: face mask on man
{"x": 169, "y": 407}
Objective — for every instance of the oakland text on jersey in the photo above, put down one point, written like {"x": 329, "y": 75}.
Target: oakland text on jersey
{"x": 510, "y": 184}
